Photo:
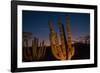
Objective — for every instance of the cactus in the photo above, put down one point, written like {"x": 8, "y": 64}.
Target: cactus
{"x": 55, "y": 47}
{"x": 38, "y": 51}
{"x": 70, "y": 50}
{"x": 66, "y": 50}
{"x": 26, "y": 50}
{"x": 62, "y": 38}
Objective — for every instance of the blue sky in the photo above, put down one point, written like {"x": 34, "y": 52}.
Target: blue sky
{"x": 36, "y": 22}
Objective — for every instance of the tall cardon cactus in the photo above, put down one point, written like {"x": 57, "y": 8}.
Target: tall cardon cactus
{"x": 65, "y": 50}
{"x": 57, "y": 50}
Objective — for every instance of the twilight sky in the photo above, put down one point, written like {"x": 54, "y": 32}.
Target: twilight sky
{"x": 36, "y": 22}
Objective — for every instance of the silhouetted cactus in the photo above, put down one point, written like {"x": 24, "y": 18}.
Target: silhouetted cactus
{"x": 26, "y": 50}
{"x": 38, "y": 50}
{"x": 34, "y": 52}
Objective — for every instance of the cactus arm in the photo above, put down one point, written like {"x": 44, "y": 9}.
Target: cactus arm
{"x": 39, "y": 52}
{"x": 34, "y": 48}
{"x": 55, "y": 53}
{"x": 44, "y": 51}
{"x": 71, "y": 53}
{"x": 55, "y": 47}
{"x": 71, "y": 50}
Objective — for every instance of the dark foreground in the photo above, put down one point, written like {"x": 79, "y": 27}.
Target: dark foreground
{"x": 82, "y": 51}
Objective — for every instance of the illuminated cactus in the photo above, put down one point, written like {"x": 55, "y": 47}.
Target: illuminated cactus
{"x": 57, "y": 50}
{"x": 70, "y": 50}
{"x": 66, "y": 50}
{"x": 62, "y": 38}
{"x": 38, "y": 51}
